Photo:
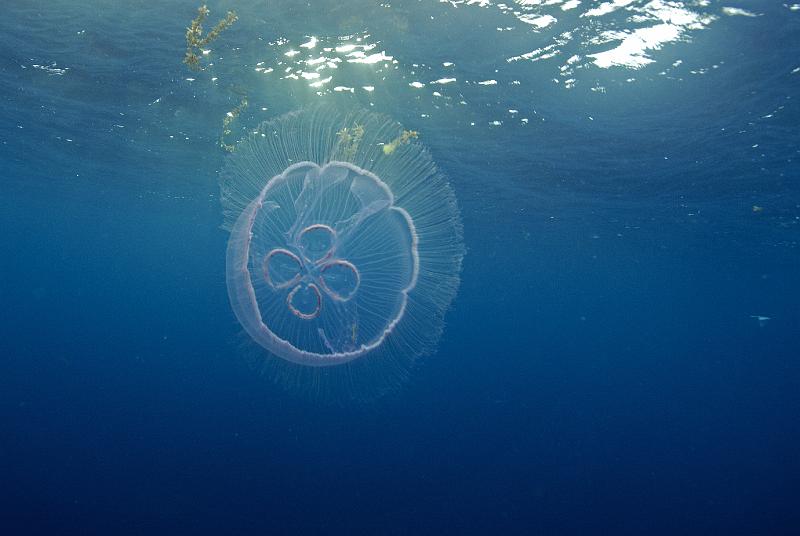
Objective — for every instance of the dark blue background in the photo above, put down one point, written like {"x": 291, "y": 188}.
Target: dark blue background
{"x": 600, "y": 371}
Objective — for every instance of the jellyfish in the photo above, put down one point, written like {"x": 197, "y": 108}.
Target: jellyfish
{"x": 342, "y": 257}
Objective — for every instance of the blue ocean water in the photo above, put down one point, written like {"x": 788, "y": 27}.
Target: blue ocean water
{"x": 622, "y": 355}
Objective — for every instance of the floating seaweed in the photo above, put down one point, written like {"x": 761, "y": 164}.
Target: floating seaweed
{"x": 229, "y": 118}
{"x": 348, "y": 141}
{"x": 402, "y": 139}
{"x": 195, "y": 42}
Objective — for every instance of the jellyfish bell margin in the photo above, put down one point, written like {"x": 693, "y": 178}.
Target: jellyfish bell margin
{"x": 342, "y": 259}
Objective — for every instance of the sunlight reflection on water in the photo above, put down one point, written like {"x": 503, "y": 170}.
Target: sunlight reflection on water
{"x": 574, "y": 44}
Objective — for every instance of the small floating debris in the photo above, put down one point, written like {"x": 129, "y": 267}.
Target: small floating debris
{"x": 762, "y": 320}
{"x": 51, "y": 69}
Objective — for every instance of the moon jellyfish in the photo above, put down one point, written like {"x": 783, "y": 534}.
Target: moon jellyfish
{"x": 342, "y": 257}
